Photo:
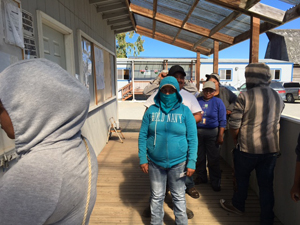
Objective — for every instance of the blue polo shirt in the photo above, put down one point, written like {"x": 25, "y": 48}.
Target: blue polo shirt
{"x": 214, "y": 113}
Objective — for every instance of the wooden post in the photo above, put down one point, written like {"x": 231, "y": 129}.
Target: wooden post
{"x": 216, "y": 57}
{"x": 198, "y": 71}
{"x": 191, "y": 69}
{"x": 254, "y": 40}
{"x": 132, "y": 79}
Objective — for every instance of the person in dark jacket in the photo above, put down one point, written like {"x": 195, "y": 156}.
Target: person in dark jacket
{"x": 254, "y": 125}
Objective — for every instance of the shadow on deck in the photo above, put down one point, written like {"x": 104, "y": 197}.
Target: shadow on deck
{"x": 123, "y": 192}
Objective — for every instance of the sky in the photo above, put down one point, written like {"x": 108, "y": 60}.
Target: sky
{"x": 154, "y": 48}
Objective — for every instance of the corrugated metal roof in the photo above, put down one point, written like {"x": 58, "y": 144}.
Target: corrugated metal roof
{"x": 193, "y": 24}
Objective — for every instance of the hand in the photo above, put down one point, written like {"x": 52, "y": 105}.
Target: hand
{"x": 162, "y": 75}
{"x": 228, "y": 112}
{"x": 220, "y": 139}
{"x": 144, "y": 167}
{"x": 295, "y": 193}
{"x": 189, "y": 172}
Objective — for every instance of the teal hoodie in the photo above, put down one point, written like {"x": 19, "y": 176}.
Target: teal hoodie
{"x": 168, "y": 139}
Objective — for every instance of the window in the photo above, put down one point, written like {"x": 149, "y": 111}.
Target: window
{"x": 97, "y": 70}
{"x": 123, "y": 74}
{"x": 275, "y": 74}
{"x": 225, "y": 74}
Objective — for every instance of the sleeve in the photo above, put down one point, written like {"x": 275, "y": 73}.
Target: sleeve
{"x": 190, "y": 87}
{"x": 235, "y": 119}
{"x": 195, "y": 106}
{"x": 222, "y": 114}
{"x": 150, "y": 100}
{"x": 152, "y": 86}
{"x": 298, "y": 149}
{"x": 231, "y": 99}
{"x": 143, "y": 136}
{"x": 192, "y": 139}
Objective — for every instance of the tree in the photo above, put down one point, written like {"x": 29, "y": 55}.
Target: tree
{"x": 127, "y": 48}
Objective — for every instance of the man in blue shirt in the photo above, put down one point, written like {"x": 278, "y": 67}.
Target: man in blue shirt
{"x": 210, "y": 136}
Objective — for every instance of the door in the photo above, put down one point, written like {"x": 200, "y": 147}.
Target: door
{"x": 54, "y": 46}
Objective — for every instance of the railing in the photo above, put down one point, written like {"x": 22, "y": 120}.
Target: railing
{"x": 139, "y": 86}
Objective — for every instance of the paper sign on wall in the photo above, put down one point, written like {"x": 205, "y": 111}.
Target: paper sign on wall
{"x": 12, "y": 23}
{"x": 99, "y": 65}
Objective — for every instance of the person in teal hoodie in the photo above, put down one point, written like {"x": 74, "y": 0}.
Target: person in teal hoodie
{"x": 168, "y": 149}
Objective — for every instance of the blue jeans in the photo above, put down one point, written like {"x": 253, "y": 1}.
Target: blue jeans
{"x": 264, "y": 165}
{"x": 158, "y": 180}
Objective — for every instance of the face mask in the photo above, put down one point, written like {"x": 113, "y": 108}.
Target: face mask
{"x": 167, "y": 101}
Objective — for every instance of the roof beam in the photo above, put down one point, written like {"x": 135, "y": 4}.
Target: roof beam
{"x": 177, "y": 23}
{"x": 110, "y": 7}
{"x": 131, "y": 14}
{"x": 115, "y": 14}
{"x": 222, "y": 24}
{"x": 186, "y": 18}
{"x": 119, "y": 21}
{"x": 118, "y": 27}
{"x": 154, "y": 15}
{"x": 291, "y": 14}
{"x": 259, "y": 10}
{"x": 168, "y": 39}
{"x": 103, "y": 2}
{"x": 124, "y": 30}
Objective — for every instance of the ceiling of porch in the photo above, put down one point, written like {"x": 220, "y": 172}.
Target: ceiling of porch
{"x": 193, "y": 24}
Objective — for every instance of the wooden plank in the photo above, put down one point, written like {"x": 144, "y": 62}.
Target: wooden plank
{"x": 115, "y": 14}
{"x": 122, "y": 26}
{"x": 111, "y": 7}
{"x": 262, "y": 11}
{"x": 216, "y": 57}
{"x": 131, "y": 14}
{"x": 292, "y": 13}
{"x": 177, "y": 23}
{"x": 119, "y": 21}
{"x": 254, "y": 40}
{"x": 123, "y": 192}
{"x": 154, "y": 15}
{"x": 198, "y": 71}
{"x": 186, "y": 18}
{"x": 168, "y": 39}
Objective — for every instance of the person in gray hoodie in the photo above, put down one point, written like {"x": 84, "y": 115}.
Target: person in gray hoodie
{"x": 43, "y": 108}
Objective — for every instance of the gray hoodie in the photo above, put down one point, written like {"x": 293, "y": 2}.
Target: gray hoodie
{"x": 49, "y": 183}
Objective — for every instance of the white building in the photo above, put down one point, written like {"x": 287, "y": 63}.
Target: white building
{"x": 231, "y": 71}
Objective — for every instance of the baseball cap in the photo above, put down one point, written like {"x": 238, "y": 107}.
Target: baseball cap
{"x": 213, "y": 75}
{"x": 209, "y": 84}
{"x": 176, "y": 69}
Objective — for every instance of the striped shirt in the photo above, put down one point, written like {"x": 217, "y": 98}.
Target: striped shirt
{"x": 257, "y": 115}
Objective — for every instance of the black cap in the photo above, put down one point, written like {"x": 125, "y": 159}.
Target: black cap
{"x": 176, "y": 69}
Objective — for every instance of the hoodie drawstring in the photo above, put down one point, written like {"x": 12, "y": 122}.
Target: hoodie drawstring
{"x": 156, "y": 125}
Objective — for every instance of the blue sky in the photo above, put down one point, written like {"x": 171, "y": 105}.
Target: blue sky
{"x": 154, "y": 48}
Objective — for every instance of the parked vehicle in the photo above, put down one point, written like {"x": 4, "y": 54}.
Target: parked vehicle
{"x": 275, "y": 85}
{"x": 233, "y": 89}
{"x": 292, "y": 91}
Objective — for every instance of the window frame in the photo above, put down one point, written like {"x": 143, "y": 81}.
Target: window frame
{"x": 231, "y": 74}
{"x": 80, "y": 35}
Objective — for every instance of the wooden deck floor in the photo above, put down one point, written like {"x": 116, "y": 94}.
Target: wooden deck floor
{"x": 123, "y": 192}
